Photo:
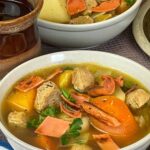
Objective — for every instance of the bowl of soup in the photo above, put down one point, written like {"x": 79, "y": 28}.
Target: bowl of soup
{"x": 85, "y": 23}
{"x": 76, "y": 100}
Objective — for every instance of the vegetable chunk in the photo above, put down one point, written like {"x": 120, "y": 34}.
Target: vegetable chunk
{"x": 105, "y": 142}
{"x": 55, "y": 10}
{"x": 52, "y": 127}
{"x": 18, "y": 119}
{"x": 107, "y": 6}
{"x": 22, "y": 101}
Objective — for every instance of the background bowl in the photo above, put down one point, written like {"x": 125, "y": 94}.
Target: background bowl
{"x": 86, "y": 35}
{"x": 141, "y": 27}
{"x": 101, "y": 58}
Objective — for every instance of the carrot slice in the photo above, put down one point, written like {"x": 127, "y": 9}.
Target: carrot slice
{"x": 29, "y": 83}
{"x": 108, "y": 87}
{"x": 69, "y": 102}
{"x": 71, "y": 113}
{"x": 107, "y": 6}
{"x": 75, "y": 6}
{"x": 55, "y": 73}
{"x": 105, "y": 142}
{"x": 53, "y": 127}
{"x": 80, "y": 98}
{"x": 118, "y": 109}
{"x": 45, "y": 142}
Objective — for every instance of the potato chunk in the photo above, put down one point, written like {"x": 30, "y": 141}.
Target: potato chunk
{"x": 137, "y": 98}
{"x": 18, "y": 119}
{"x": 55, "y": 11}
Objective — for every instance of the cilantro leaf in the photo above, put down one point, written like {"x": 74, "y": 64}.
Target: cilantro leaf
{"x": 73, "y": 132}
{"x": 67, "y": 95}
{"x": 130, "y": 2}
{"x": 49, "y": 111}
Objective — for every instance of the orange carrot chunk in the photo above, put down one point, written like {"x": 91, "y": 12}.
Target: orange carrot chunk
{"x": 105, "y": 142}
{"x": 107, "y": 6}
{"x": 118, "y": 109}
{"x": 29, "y": 83}
{"x": 75, "y": 6}
{"x": 52, "y": 127}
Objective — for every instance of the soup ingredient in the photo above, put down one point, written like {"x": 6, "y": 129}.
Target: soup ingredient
{"x": 107, "y": 87}
{"x": 73, "y": 132}
{"x": 53, "y": 127}
{"x": 18, "y": 119}
{"x": 82, "y": 20}
{"x": 86, "y": 124}
{"x": 105, "y": 142}
{"x": 130, "y": 2}
{"x": 81, "y": 147}
{"x": 137, "y": 98}
{"x": 29, "y": 83}
{"x": 55, "y": 73}
{"x": 48, "y": 94}
{"x": 100, "y": 115}
{"x": 55, "y": 10}
{"x": 75, "y": 6}
{"x": 107, "y": 6}
{"x": 119, "y": 81}
{"x": 101, "y": 17}
{"x": 118, "y": 109}
{"x": 123, "y": 6}
{"x": 45, "y": 142}
{"x": 119, "y": 93}
{"x": 80, "y": 98}
{"x": 89, "y": 5}
{"x": 67, "y": 95}
{"x": 49, "y": 111}
{"x": 70, "y": 111}
{"x": 22, "y": 101}
{"x": 65, "y": 79}
{"x": 82, "y": 79}
{"x": 69, "y": 102}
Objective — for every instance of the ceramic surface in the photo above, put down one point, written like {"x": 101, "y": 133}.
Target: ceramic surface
{"x": 101, "y": 58}
{"x": 66, "y": 35}
{"x": 141, "y": 27}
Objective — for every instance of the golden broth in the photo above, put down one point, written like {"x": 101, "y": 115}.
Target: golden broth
{"x": 29, "y": 136}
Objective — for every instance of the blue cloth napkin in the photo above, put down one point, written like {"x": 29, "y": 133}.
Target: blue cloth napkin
{"x": 5, "y": 146}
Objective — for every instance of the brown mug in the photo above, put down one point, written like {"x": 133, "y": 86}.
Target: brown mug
{"x": 19, "y": 37}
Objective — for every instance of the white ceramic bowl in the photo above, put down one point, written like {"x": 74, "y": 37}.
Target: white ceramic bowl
{"x": 100, "y": 58}
{"x": 142, "y": 21}
{"x": 87, "y": 35}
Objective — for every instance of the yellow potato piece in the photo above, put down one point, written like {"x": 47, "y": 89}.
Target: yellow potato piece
{"x": 22, "y": 101}
{"x": 65, "y": 79}
{"x": 55, "y": 11}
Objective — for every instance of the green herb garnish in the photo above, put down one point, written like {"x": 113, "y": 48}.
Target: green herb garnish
{"x": 49, "y": 111}
{"x": 130, "y": 2}
{"x": 67, "y": 95}
{"x": 73, "y": 132}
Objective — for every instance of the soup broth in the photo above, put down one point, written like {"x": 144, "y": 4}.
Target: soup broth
{"x": 62, "y": 76}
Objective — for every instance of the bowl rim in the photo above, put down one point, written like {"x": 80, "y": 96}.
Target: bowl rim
{"x": 93, "y": 26}
{"x": 137, "y": 28}
{"x": 22, "y": 143}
